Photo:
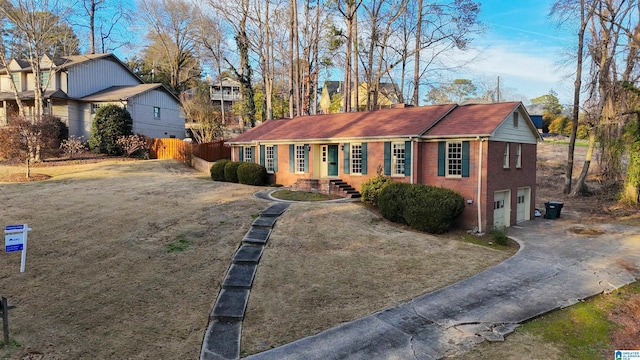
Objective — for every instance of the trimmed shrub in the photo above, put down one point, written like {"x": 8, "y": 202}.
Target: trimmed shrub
{"x": 252, "y": 174}
{"x": 391, "y": 201}
{"x": 371, "y": 189}
{"x": 110, "y": 123}
{"x": 231, "y": 171}
{"x": 432, "y": 209}
{"x": 217, "y": 170}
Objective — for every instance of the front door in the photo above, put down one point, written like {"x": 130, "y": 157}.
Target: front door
{"x": 332, "y": 164}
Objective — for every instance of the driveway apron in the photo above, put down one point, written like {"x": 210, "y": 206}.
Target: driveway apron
{"x": 559, "y": 263}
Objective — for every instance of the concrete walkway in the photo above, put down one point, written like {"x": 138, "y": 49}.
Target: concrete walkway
{"x": 555, "y": 268}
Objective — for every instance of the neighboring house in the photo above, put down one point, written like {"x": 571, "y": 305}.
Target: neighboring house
{"x": 226, "y": 93}
{"x": 76, "y": 86}
{"x": 386, "y": 96}
{"x": 486, "y": 152}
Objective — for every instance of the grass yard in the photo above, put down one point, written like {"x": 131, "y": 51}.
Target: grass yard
{"x": 330, "y": 263}
{"x": 590, "y": 330}
{"x": 126, "y": 259}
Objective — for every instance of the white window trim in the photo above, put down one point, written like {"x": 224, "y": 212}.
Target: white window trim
{"x": 352, "y": 158}
{"x": 267, "y": 158}
{"x": 505, "y": 158}
{"x": 394, "y": 159}
{"x": 446, "y": 161}
{"x": 519, "y": 156}
{"x": 159, "y": 112}
{"x": 247, "y": 149}
{"x": 516, "y": 119}
{"x": 299, "y": 160}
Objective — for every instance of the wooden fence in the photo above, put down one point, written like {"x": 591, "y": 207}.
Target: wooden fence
{"x": 212, "y": 151}
{"x": 179, "y": 150}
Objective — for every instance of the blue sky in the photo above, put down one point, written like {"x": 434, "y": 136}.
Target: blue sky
{"x": 524, "y": 47}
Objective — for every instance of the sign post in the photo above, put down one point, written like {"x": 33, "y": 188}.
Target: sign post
{"x": 15, "y": 239}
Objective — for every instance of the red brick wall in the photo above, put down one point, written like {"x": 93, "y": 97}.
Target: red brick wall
{"x": 511, "y": 178}
{"x": 466, "y": 186}
{"x": 494, "y": 176}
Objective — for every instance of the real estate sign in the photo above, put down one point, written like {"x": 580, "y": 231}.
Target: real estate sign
{"x": 15, "y": 239}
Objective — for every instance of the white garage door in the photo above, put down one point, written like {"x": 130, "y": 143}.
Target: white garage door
{"x": 501, "y": 208}
{"x": 524, "y": 200}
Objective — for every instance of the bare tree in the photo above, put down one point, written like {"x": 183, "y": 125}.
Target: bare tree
{"x": 105, "y": 22}
{"x": 566, "y": 11}
{"x": 173, "y": 34}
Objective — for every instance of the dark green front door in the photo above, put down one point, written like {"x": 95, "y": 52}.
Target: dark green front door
{"x": 332, "y": 169}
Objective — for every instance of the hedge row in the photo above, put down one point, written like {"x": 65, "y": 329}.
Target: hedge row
{"x": 239, "y": 172}
{"x": 423, "y": 207}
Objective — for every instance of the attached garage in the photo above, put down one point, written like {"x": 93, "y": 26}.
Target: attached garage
{"x": 501, "y": 208}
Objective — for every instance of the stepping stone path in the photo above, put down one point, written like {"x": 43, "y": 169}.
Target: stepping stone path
{"x": 222, "y": 339}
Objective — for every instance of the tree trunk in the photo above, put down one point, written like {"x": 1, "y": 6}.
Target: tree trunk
{"x": 576, "y": 100}
{"x": 356, "y": 65}
{"x": 346, "y": 92}
{"x": 416, "y": 70}
{"x": 92, "y": 27}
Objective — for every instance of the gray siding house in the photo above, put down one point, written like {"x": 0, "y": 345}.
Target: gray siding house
{"x": 76, "y": 86}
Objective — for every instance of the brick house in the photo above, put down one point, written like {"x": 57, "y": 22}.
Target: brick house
{"x": 486, "y": 152}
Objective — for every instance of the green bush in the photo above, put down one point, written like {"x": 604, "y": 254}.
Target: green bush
{"x": 252, "y": 174}
{"x": 109, "y": 123}
{"x": 371, "y": 189}
{"x": 499, "y": 235}
{"x": 432, "y": 209}
{"x": 391, "y": 201}
{"x": 231, "y": 171}
{"x": 217, "y": 170}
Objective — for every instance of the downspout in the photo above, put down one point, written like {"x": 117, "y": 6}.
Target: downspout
{"x": 480, "y": 140}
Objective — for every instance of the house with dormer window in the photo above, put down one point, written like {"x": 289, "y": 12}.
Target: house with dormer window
{"x": 486, "y": 152}
{"x": 74, "y": 87}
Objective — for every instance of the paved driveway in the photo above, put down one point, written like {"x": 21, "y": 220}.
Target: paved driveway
{"x": 555, "y": 267}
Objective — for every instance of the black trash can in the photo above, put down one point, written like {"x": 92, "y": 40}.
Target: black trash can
{"x": 553, "y": 209}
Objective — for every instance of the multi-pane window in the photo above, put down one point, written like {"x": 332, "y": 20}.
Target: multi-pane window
{"x": 156, "y": 112}
{"x": 356, "y": 159}
{"x": 94, "y": 108}
{"x": 248, "y": 154}
{"x": 519, "y": 156}
{"x": 505, "y": 161}
{"x": 269, "y": 158}
{"x": 498, "y": 204}
{"x": 454, "y": 159}
{"x": 44, "y": 79}
{"x": 398, "y": 158}
{"x": 300, "y": 158}
{"x": 16, "y": 81}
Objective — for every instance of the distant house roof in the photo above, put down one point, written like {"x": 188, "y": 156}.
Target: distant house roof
{"x": 436, "y": 121}
{"x": 30, "y": 95}
{"x": 537, "y": 120}
{"x": 120, "y": 92}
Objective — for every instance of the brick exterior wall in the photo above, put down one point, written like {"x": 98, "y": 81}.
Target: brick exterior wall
{"x": 494, "y": 176}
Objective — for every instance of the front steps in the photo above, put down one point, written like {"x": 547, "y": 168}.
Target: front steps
{"x": 344, "y": 188}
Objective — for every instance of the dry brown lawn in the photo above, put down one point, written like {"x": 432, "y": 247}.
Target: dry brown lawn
{"x": 99, "y": 282}
{"x": 326, "y": 264}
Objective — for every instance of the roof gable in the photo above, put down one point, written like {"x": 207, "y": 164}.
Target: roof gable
{"x": 479, "y": 120}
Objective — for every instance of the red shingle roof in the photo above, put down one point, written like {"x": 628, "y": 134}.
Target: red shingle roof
{"x": 382, "y": 123}
{"x": 473, "y": 119}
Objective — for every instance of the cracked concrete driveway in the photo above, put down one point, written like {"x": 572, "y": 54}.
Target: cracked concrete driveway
{"x": 559, "y": 264}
